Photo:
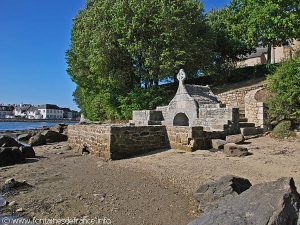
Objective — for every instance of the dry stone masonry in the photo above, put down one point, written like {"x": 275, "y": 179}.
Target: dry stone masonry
{"x": 193, "y": 118}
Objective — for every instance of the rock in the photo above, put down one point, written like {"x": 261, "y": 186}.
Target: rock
{"x": 251, "y": 131}
{"x": 11, "y": 185}
{"x": 218, "y": 143}
{"x": 209, "y": 195}
{"x": 237, "y": 139}
{"x": 59, "y": 128}
{"x": 27, "y": 151}
{"x": 24, "y": 137}
{"x": 272, "y": 203}
{"x": 20, "y": 210}
{"x": 12, "y": 203}
{"x": 37, "y": 140}
{"x": 234, "y": 150}
{"x": 298, "y": 135}
{"x": 10, "y": 156}
{"x": 6, "y": 141}
{"x": 52, "y": 136}
{"x": 3, "y": 202}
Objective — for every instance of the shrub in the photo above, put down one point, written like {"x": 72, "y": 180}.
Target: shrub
{"x": 284, "y": 86}
{"x": 282, "y": 130}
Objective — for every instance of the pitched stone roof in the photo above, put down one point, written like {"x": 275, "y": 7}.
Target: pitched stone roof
{"x": 6, "y": 108}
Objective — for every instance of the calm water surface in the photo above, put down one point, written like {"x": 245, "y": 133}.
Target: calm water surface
{"x": 27, "y": 125}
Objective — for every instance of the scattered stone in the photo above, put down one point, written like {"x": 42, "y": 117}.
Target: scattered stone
{"x": 6, "y": 141}
{"x": 37, "y": 140}
{"x": 27, "y": 151}
{"x": 298, "y": 135}
{"x": 272, "y": 203}
{"x": 11, "y": 186}
{"x": 19, "y": 210}
{"x": 24, "y": 137}
{"x": 209, "y": 195}
{"x": 10, "y": 156}
{"x": 234, "y": 150}
{"x": 59, "y": 128}
{"x": 12, "y": 203}
{"x": 52, "y": 136}
{"x": 251, "y": 131}
{"x": 218, "y": 143}
{"x": 236, "y": 139}
{"x": 3, "y": 202}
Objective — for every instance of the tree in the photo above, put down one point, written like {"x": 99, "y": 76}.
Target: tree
{"x": 265, "y": 22}
{"x": 284, "y": 86}
{"x": 120, "y": 45}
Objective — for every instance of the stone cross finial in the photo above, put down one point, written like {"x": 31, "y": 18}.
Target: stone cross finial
{"x": 181, "y": 76}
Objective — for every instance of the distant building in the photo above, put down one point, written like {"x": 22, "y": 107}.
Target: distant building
{"x": 70, "y": 114}
{"x": 21, "y": 110}
{"x": 33, "y": 113}
{"x": 6, "y": 111}
{"x": 278, "y": 54}
{"x": 49, "y": 111}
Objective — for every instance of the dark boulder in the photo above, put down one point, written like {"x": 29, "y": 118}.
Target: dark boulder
{"x": 59, "y": 128}
{"x": 37, "y": 140}
{"x": 209, "y": 195}
{"x": 27, "y": 151}
{"x": 10, "y": 156}
{"x": 24, "y": 137}
{"x": 52, "y": 136}
{"x": 272, "y": 203}
{"x": 6, "y": 141}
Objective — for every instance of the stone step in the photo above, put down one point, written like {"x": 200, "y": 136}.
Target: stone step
{"x": 246, "y": 124}
{"x": 243, "y": 119}
{"x": 251, "y": 131}
{"x": 242, "y": 115}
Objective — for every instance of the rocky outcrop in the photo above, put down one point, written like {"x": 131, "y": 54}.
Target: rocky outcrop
{"x": 234, "y": 150}
{"x": 59, "y": 128}
{"x": 24, "y": 137}
{"x": 6, "y": 141}
{"x": 10, "y": 156}
{"x": 37, "y": 140}
{"x": 53, "y": 136}
{"x": 272, "y": 203}
{"x": 209, "y": 195}
{"x": 27, "y": 151}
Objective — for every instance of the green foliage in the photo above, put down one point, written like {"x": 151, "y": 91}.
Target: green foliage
{"x": 282, "y": 130}
{"x": 284, "y": 86}
{"x": 266, "y": 21}
{"x": 120, "y": 46}
{"x": 139, "y": 99}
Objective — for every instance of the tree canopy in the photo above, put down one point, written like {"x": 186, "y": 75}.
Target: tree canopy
{"x": 265, "y": 22}
{"x": 118, "y": 46}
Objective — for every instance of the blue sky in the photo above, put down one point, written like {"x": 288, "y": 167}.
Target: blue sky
{"x": 34, "y": 35}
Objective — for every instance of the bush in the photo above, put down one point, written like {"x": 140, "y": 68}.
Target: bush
{"x": 284, "y": 86}
{"x": 282, "y": 130}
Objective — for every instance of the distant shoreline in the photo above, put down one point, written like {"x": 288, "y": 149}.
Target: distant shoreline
{"x": 38, "y": 120}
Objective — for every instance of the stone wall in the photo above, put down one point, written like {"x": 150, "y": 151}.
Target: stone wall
{"x": 133, "y": 140}
{"x": 236, "y": 97}
{"x": 116, "y": 142}
{"x": 95, "y": 137}
{"x": 255, "y": 110}
{"x": 219, "y": 119}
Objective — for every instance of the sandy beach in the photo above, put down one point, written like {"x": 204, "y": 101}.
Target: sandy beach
{"x": 151, "y": 189}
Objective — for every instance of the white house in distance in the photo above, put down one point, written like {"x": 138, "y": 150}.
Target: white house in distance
{"x": 6, "y": 111}
{"x": 49, "y": 111}
{"x": 33, "y": 113}
{"x": 21, "y": 110}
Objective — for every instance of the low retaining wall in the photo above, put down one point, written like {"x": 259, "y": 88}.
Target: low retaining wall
{"x": 237, "y": 97}
{"x": 117, "y": 142}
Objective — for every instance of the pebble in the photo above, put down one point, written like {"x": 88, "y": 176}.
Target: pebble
{"x": 12, "y": 203}
{"x": 20, "y": 210}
